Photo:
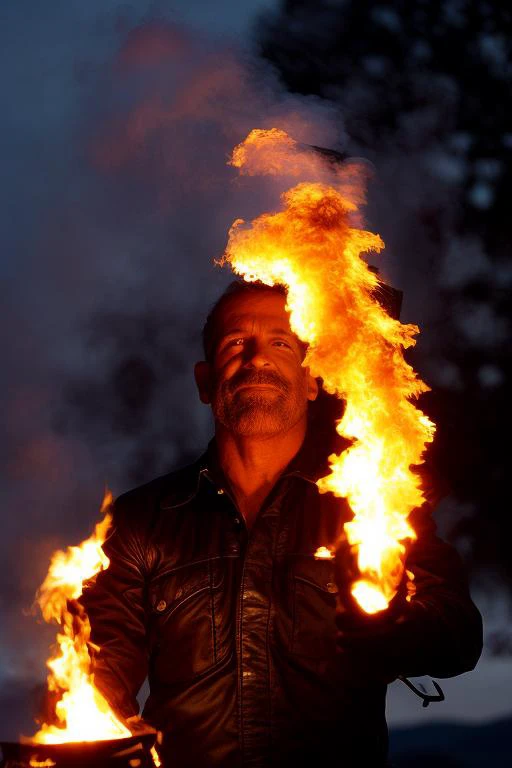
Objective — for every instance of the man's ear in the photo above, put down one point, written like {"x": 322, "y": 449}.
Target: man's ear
{"x": 202, "y": 375}
{"x": 312, "y": 387}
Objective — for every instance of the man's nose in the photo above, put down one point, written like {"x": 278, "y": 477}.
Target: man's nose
{"x": 256, "y": 355}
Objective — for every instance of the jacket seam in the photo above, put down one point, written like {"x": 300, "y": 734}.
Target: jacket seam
{"x": 213, "y": 613}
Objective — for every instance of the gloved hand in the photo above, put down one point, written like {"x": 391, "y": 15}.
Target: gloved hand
{"x": 371, "y": 642}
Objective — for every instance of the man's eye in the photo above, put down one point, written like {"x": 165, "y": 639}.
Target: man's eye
{"x": 235, "y": 342}
{"x": 281, "y": 343}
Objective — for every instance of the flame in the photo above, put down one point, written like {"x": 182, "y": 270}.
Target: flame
{"x": 410, "y": 585}
{"x": 82, "y": 712}
{"x": 324, "y": 553}
{"x": 355, "y": 346}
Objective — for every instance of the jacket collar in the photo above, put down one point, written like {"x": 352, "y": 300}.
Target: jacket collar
{"x": 307, "y": 464}
{"x": 310, "y": 463}
{"x": 182, "y": 486}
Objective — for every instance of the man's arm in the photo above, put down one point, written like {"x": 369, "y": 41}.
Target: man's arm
{"x": 114, "y": 602}
{"x": 437, "y": 633}
{"x": 444, "y": 621}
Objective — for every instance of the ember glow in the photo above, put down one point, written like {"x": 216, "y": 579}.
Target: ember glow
{"x": 323, "y": 553}
{"x": 82, "y": 712}
{"x": 313, "y": 247}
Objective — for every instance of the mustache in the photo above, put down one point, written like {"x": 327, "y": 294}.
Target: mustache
{"x": 247, "y": 378}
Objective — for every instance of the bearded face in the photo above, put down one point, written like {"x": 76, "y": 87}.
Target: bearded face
{"x": 257, "y": 403}
{"x": 256, "y": 383}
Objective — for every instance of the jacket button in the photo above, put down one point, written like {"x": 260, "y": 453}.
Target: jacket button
{"x": 331, "y": 587}
{"x": 220, "y": 491}
{"x": 236, "y": 521}
{"x": 161, "y": 606}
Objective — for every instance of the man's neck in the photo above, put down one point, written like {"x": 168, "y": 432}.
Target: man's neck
{"x": 253, "y": 465}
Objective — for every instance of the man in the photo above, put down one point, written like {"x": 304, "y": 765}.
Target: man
{"x": 254, "y": 652}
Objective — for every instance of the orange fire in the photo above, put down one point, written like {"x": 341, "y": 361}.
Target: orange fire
{"x": 313, "y": 247}
{"x": 82, "y": 712}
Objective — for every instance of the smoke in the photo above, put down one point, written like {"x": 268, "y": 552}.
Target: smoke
{"x": 119, "y": 197}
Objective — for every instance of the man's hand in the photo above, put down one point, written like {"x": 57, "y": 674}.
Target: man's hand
{"x": 138, "y": 726}
{"x": 370, "y": 641}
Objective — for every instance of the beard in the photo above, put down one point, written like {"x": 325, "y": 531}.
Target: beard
{"x": 257, "y": 412}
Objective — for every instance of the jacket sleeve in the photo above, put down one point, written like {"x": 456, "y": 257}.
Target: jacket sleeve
{"x": 442, "y": 627}
{"x": 115, "y": 603}
{"x": 438, "y": 632}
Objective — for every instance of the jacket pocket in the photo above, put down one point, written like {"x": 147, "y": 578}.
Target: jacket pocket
{"x": 183, "y": 626}
{"x": 315, "y": 596}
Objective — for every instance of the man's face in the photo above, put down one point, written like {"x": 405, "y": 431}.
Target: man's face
{"x": 256, "y": 383}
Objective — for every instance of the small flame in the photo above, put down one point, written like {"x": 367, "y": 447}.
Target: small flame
{"x": 355, "y": 346}
{"x": 156, "y": 757}
{"x": 410, "y": 585}
{"x": 82, "y": 712}
{"x": 324, "y": 553}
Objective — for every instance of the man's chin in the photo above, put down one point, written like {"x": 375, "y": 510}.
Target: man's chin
{"x": 258, "y": 422}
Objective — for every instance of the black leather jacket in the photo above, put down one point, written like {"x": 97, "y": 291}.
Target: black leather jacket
{"x": 251, "y": 656}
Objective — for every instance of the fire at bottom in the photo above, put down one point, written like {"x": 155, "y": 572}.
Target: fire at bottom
{"x": 136, "y": 751}
{"x": 85, "y": 731}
